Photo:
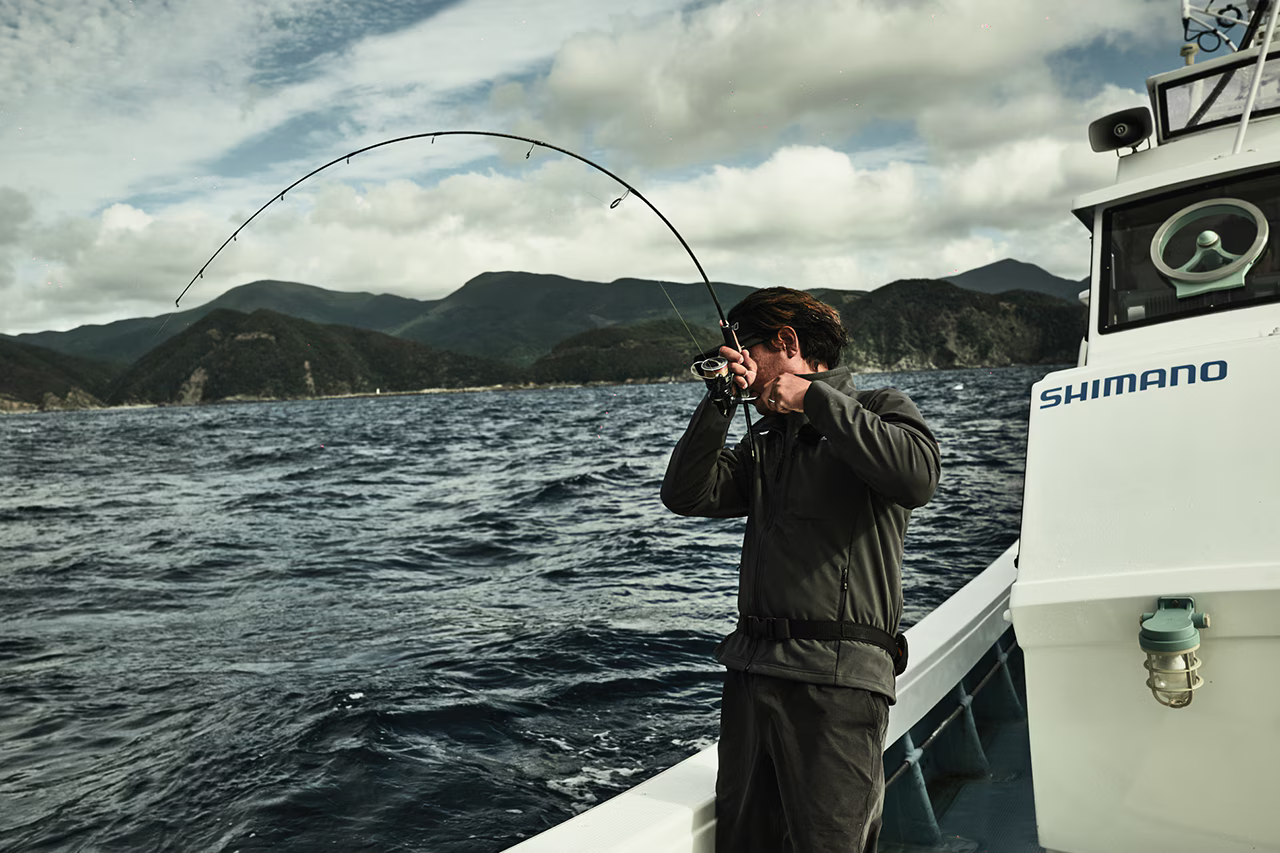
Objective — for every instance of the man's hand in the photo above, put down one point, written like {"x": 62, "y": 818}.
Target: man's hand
{"x": 784, "y": 394}
{"x": 741, "y": 365}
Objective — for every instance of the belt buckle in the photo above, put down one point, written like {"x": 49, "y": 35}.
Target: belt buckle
{"x": 770, "y": 626}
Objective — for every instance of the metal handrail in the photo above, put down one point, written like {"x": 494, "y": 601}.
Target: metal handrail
{"x": 1001, "y": 660}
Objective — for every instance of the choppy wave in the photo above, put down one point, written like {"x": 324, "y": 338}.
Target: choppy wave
{"x": 411, "y": 623}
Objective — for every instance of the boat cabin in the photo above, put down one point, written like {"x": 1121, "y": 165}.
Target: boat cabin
{"x": 1189, "y": 231}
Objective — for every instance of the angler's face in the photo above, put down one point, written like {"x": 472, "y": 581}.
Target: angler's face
{"x": 770, "y": 364}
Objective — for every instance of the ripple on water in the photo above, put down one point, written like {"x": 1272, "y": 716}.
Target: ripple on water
{"x": 457, "y": 622}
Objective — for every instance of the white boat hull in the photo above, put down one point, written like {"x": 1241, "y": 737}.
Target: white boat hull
{"x": 1168, "y": 491}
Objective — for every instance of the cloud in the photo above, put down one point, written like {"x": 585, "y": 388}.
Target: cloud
{"x": 812, "y": 217}
{"x": 737, "y": 77}
{"x": 808, "y": 216}
{"x": 959, "y": 130}
{"x": 261, "y": 90}
{"x": 808, "y": 142}
{"x": 15, "y": 212}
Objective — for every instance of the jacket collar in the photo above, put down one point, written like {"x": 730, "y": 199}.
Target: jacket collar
{"x": 841, "y": 379}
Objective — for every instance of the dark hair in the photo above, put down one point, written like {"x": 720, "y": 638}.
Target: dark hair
{"x": 764, "y": 312}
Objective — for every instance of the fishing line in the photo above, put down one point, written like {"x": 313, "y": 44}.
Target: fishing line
{"x": 696, "y": 346}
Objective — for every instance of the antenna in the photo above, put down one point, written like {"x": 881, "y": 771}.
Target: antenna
{"x": 1257, "y": 79}
{"x": 1213, "y": 25}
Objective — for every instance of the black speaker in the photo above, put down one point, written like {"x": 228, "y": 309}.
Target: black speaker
{"x": 1124, "y": 129}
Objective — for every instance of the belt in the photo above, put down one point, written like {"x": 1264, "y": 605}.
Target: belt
{"x": 772, "y": 628}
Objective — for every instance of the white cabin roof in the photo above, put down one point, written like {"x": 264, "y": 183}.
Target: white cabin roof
{"x": 1180, "y": 155}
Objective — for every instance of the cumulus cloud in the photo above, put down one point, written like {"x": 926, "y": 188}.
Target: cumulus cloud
{"x": 257, "y": 89}
{"x": 812, "y": 217}
{"x": 960, "y": 130}
{"x": 817, "y": 143}
{"x": 808, "y": 216}
{"x": 736, "y": 77}
{"x": 15, "y": 212}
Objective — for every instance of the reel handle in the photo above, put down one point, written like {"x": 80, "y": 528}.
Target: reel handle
{"x": 724, "y": 392}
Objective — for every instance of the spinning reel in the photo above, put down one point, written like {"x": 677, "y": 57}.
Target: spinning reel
{"x": 720, "y": 385}
{"x": 723, "y": 391}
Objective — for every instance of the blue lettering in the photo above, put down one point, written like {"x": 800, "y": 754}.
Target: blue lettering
{"x": 1156, "y": 379}
{"x": 1119, "y": 384}
{"x": 1204, "y": 371}
{"x": 1051, "y": 398}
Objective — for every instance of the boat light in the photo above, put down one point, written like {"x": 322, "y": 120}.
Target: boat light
{"x": 1170, "y": 639}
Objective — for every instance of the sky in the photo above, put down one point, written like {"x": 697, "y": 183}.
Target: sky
{"x": 806, "y": 143}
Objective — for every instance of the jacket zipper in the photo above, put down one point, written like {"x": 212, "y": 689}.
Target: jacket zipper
{"x": 784, "y": 464}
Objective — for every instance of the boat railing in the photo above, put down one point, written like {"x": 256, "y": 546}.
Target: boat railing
{"x": 963, "y": 706}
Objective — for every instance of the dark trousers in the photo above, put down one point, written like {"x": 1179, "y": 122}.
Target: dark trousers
{"x": 801, "y": 767}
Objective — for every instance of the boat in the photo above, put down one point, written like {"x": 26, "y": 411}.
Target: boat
{"x": 1109, "y": 683}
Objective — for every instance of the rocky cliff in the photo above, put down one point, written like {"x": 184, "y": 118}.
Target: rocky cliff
{"x": 33, "y": 378}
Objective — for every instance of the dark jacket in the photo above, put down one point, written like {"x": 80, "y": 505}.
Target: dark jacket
{"x": 827, "y": 512}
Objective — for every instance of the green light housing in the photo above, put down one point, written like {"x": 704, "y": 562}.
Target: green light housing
{"x": 1170, "y": 636}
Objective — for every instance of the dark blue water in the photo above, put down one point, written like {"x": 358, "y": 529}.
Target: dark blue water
{"x": 430, "y": 623}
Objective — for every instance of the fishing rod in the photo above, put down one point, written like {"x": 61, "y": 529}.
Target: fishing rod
{"x": 715, "y": 371}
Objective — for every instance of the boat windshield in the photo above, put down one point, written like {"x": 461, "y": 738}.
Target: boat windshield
{"x": 1137, "y": 292}
{"x": 1217, "y": 97}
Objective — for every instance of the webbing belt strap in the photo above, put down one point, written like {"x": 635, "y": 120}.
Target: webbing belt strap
{"x": 772, "y": 628}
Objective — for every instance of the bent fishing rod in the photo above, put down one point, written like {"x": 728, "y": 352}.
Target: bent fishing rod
{"x": 714, "y": 370}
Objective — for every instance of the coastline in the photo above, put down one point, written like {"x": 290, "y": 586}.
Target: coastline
{"x": 13, "y": 407}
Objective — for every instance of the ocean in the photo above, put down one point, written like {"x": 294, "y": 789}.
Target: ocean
{"x": 441, "y": 622}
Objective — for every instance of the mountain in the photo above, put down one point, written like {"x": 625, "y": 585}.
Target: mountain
{"x": 125, "y": 340}
{"x": 560, "y": 329}
{"x": 1008, "y": 274}
{"x": 907, "y": 325}
{"x": 380, "y": 312}
{"x": 229, "y": 355}
{"x": 844, "y": 301}
{"x": 518, "y": 316}
{"x": 511, "y": 316}
{"x": 33, "y": 377}
{"x": 921, "y": 324}
{"x": 655, "y": 349}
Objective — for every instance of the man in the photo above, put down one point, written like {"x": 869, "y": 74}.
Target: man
{"x": 810, "y": 674}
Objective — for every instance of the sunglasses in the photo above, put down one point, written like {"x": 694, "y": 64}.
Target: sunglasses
{"x": 743, "y": 343}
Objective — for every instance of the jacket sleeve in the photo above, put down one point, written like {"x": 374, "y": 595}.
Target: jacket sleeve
{"x": 886, "y": 441}
{"x": 705, "y": 478}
